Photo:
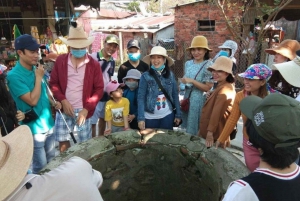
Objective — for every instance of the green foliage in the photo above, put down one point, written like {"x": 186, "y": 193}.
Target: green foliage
{"x": 134, "y": 6}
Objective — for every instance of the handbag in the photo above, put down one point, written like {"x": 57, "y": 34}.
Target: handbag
{"x": 185, "y": 103}
{"x": 167, "y": 96}
{"x": 30, "y": 115}
{"x": 233, "y": 133}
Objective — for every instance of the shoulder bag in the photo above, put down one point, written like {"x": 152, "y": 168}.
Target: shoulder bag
{"x": 166, "y": 95}
{"x": 185, "y": 103}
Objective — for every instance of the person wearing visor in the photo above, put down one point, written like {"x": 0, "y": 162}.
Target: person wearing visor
{"x": 273, "y": 129}
{"x": 134, "y": 62}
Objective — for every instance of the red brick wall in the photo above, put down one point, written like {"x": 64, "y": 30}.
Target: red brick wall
{"x": 186, "y": 26}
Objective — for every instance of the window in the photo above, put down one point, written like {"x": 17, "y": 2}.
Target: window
{"x": 206, "y": 25}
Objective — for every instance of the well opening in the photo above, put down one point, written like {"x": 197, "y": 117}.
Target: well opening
{"x": 169, "y": 166}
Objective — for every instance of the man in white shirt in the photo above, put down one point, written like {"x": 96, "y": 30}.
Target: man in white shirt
{"x": 72, "y": 180}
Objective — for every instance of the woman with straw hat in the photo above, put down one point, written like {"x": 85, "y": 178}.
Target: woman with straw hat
{"x": 197, "y": 80}
{"x": 255, "y": 84}
{"x": 284, "y": 52}
{"x": 217, "y": 108}
{"x": 158, "y": 101}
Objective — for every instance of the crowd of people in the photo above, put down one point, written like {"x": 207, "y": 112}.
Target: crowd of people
{"x": 145, "y": 96}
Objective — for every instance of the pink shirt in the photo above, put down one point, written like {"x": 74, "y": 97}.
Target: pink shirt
{"x": 75, "y": 83}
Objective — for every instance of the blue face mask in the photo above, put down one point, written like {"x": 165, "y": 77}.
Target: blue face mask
{"x": 134, "y": 56}
{"x": 223, "y": 53}
{"x": 158, "y": 69}
{"x": 131, "y": 85}
{"x": 78, "y": 53}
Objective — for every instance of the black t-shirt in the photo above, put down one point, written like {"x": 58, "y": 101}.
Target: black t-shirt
{"x": 125, "y": 67}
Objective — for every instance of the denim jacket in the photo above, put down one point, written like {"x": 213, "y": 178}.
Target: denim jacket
{"x": 149, "y": 90}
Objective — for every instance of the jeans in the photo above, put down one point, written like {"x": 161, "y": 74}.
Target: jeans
{"x": 163, "y": 123}
{"x": 44, "y": 150}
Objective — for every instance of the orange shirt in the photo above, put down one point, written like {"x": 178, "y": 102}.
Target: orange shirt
{"x": 233, "y": 118}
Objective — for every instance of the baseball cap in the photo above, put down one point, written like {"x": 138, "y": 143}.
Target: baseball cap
{"x": 112, "y": 39}
{"x": 275, "y": 118}
{"x": 133, "y": 43}
{"x": 26, "y": 42}
{"x": 112, "y": 86}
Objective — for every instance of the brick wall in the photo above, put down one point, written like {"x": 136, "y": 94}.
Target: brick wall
{"x": 186, "y": 26}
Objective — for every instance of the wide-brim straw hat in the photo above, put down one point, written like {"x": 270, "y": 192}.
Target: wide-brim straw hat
{"x": 222, "y": 63}
{"x": 290, "y": 71}
{"x": 77, "y": 38}
{"x": 16, "y": 150}
{"x": 199, "y": 42}
{"x": 158, "y": 50}
{"x": 286, "y": 48}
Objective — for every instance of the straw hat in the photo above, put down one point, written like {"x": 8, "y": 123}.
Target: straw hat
{"x": 77, "y": 38}
{"x": 286, "y": 48}
{"x": 158, "y": 50}
{"x": 199, "y": 42}
{"x": 16, "y": 150}
{"x": 290, "y": 71}
{"x": 222, "y": 63}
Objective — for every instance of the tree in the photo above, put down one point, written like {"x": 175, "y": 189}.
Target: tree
{"x": 264, "y": 13}
{"x": 134, "y": 6}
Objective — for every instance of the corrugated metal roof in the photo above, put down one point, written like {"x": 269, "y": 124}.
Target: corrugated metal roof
{"x": 134, "y": 24}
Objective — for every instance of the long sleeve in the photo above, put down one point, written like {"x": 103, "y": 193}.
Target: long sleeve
{"x": 142, "y": 98}
{"x": 98, "y": 87}
{"x": 55, "y": 83}
{"x": 175, "y": 97}
{"x": 233, "y": 118}
{"x": 218, "y": 110}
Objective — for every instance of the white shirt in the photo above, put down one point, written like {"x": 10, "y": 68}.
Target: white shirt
{"x": 73, "y": 180}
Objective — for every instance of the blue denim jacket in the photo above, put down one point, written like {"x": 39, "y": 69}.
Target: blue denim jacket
{"x": 149, "y": 90}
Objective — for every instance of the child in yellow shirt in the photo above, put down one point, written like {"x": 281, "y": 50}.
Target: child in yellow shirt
{"x": 116, "y": 109}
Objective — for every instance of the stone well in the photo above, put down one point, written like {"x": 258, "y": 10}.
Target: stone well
{"x": 164, "y": 166}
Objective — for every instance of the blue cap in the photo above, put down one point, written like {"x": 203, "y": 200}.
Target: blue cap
{"x": 26, "y": 42}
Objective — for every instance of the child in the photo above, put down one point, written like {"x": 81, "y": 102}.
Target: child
{"x": 132, "y": 82}
{"x": 116, "y": 109}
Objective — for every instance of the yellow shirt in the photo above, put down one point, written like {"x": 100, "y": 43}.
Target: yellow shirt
{"x": 116, "y": 112}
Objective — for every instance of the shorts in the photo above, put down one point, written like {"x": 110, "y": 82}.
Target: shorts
{"x": 62, "y": 133}
{"x": 99, "y": 112}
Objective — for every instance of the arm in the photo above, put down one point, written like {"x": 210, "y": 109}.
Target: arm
{"x": 55, "y": 82}
{"x": 108, "y": 128}
{"x": 219, "y": 108}
{"x": 126, "y": 113}
{"x": 32, "y": 97}
{"x": 98, "y": 88}
{"x": 142, "y": 99}
{"x": 232, "y": 120}
{"x": 108, "y": 118}
{"x": 175, "y": 97}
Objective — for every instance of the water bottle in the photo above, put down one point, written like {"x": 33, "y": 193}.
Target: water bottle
{"x": 182, "y": 89}
{"x": 77, "y": 127}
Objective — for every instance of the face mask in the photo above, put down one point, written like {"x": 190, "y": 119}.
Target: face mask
{"x": 131, "y": 85}
{"x": 134, "y": 56}
{"x": 78, "y": 53}
{"x": 223, "y": 53}
{"x": 158, "y": 69}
